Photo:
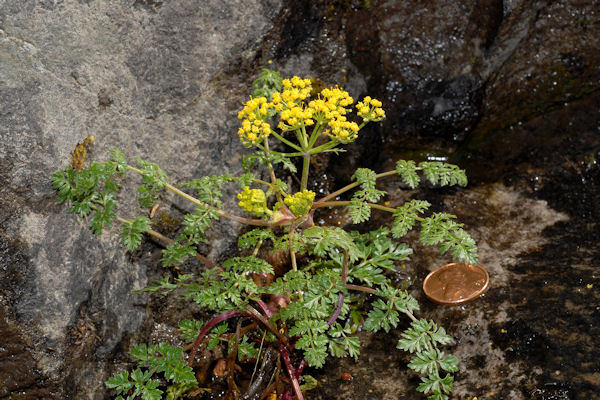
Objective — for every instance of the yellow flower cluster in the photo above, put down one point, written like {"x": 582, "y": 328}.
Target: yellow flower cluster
{"x": 300, "y": 203}
{"x": 290, "y": 104}
{"x": 370, "y": 109}
{"x": 254, "y": 126}
{"x": 330, "y": 108}
{"x": 253, "y": 201}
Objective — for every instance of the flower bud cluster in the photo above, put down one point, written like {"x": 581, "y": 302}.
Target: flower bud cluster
{"x": 300, "y": 203}
{"x": 253, "y": 201}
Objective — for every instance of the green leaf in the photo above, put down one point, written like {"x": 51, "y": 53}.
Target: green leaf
{"x": 382, "y": 316}
{"x": 246, "y": 350}
{"x": 189, "y": 329}
{"x": 252, "y": 238}
{"x": 315, "y": 348}
{"x": 177, "y": 252}
{"x": 161, "y": 285}
{"x": 310, "y": 383}
{"x": 416, "y": 338}
{"x": 208, "y": 188}
{"x": 248, "y": 265}
{"x": 449, "y": 363}
{"x": 131, "y": 232}
{"x": 406, "y": 215}
{"x": 326, "y": 240}
{"x": 440, "y": 228}
{"x": 359, "y": 211}
{"x": 103, "y": 214}
{"x": 267, "y": 83}
{"x": 308, "y": 327}
{"x": 426, "y": 362}
{"x": 195, "y": 224}
{"x": 439, "y": 335}
{"x": 408, "y": 172}
{"x": 245, "y": 179}
{"x": 340, "y": 344}
{"x": 259, "y": 157}
{"x": 61, "y": 181}
{"x": 284, "y": 161}
{"x": 444, "y": 174}
{"x": 120, "y": 382}
{"x": 154, "y": 179}
{"x": 438, "y": 387}
{"x": 118, "y": 160}
{"x": 421, "y": 335}
{"x": 365, "y": 176}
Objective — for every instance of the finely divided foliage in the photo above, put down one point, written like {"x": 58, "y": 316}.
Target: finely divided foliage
{"x": 313, "y": 303}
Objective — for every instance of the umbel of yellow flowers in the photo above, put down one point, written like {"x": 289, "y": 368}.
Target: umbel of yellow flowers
{"x": 298, "y": 109}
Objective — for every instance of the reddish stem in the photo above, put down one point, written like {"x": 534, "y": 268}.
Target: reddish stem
{"x": 250, "y": 313}
{"x": 340, "y": 303}
{"x": 291, "y": 372}
{"x": 264, "y": 308}
{"x": 338, "y": 309}
{"x": 209, "y": 325}
{"x": 300, "y": 368}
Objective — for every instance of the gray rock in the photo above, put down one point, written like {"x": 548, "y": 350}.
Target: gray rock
{"x": 148, "y": 77}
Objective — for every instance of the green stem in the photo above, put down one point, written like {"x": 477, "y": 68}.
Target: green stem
{"x": 271, "y": 171}
{"x": 305, "y": 168}
{"x": 351, "y": 186}
{"x": 341, "y": 203}
{"x": 296, "y": 154}
{"x": 324, "y": 147}
{"x": 224, "y": 214}
{"x": 282, "y": 139}
{"x": 315, "y": 134}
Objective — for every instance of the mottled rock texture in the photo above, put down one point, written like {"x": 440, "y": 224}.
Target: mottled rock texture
{"x": 148, "y": 77}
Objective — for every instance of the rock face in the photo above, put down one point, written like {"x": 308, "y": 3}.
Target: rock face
{"x": 455, "y": 77}
{"x": 149, "y": 77}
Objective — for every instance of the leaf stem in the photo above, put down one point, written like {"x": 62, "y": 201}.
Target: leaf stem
{"x": 271, "y": 171}
{"x": 346, "y": 203}
{"x": 351, "y": 186}
{"x": 282, "y": 139}
{"x": 292, "y": 252}
{"x": 163, "y": 240}
{"x": 192, "y": 199}
{"x": 251, "y": 313}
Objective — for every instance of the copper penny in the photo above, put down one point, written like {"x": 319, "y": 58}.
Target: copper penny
{"x": 456, "y": 283}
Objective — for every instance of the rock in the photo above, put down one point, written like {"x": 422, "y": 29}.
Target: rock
{"x": 148, "y": 77}
{"x": 456, "y": 79}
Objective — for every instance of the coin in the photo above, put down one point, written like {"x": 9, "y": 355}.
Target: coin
{"x": 456, "y": 283}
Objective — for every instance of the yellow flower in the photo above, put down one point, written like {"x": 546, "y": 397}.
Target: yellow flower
{"x": 370, "y": 110}
{"x": 254, "y": 126}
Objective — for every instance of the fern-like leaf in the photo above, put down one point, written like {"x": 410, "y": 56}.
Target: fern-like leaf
{"x": 408, "y": 172}
{"x": 406, "y": 216}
